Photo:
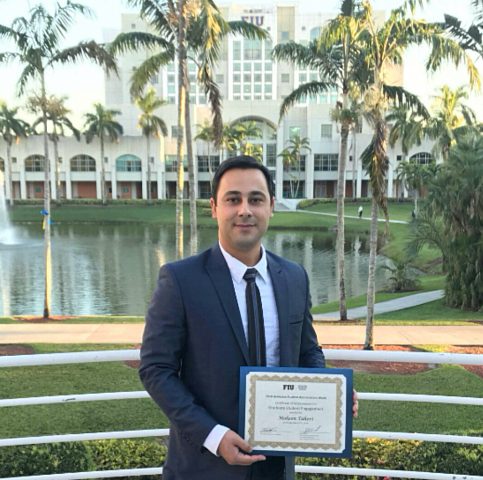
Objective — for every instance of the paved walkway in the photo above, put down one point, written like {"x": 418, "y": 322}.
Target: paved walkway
{"x": 23, "y": 333}
{"x": 384, "y": 307}
{"x": 350, "y": 216}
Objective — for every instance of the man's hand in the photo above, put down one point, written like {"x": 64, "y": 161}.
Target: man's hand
{"x": 235, "y": 450}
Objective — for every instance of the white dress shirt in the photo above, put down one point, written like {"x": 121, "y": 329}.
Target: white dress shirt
{"x": 270, "y": 318}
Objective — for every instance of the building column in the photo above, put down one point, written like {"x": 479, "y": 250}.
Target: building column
{"x": 359, "y": 180}
{"x": 309, "y": 163}
{"x": 114, "y": 183}
{"x": 5, "y": 180}
{"x": 160, "y": 171}
{"x": 68, "y": 182}
{"x": 279, "y": 164}
{"x": 144, "y": 178}
{"x": 390, "y": 180}
{"x": 53, "y": 186}
{"x": 23, "y": 183}
{"x": 98, "y": 185}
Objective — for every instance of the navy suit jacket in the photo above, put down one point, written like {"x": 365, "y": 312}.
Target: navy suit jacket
{"x": 193, "y": 347}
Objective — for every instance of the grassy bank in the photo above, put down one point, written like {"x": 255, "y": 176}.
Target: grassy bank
{"x": 139, "y": 414}
{"x": 163, "y": 213}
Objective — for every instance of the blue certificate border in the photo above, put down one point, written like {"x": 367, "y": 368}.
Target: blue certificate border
{"x": 346, "y": 372}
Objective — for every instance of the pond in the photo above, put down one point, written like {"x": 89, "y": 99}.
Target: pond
{"x": 112, "y": 269}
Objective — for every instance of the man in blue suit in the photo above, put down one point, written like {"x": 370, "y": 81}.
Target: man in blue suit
{"x": 195, "y": 339}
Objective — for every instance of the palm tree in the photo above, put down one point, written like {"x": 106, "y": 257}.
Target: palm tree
{"x": 37, "y": 40}
{"x": 243, "y": 133}
{"x": 384, "y": 46}
{"x": 102, "y": 124}
{"x": 151, "y": 125}
{"x": 291, "y": 156}
{"x": 455, "y": 196}
{"x": 12, "y": 129}
{"x": 178, "y": 27}
{"x": 451, "y": 114}
{"x": 334, "y": 56}
{"x": 410, "y": 174}
{"x": 408, "y": 128}
{"x": 58, "y": 121}
{"x": 206, "y": 134}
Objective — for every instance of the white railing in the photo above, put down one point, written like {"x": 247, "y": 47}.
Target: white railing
{"x": 354, "y": 355}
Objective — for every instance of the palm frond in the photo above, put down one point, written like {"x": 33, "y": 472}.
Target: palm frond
{"x": 134, "y": 41}
{"x": 64, "y": 15}
{"x": 150, "y": 67}
{"x": 401, "y": 97}
{"x": 301, "y": 93}
{"x": 86, "y": 51}
{"x": 248, "y": 30}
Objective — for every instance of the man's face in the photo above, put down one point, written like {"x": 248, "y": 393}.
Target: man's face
{"x": 242, "y": 209}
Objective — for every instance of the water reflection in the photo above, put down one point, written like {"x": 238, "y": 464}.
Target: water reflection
{"x": 102, "y": 269}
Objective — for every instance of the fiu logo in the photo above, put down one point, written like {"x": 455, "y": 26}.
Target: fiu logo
{"x": 255, "y": 19}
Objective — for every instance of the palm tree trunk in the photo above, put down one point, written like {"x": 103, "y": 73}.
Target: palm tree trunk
{"x": 354, "y": 161}
{"x": 8, "y": 171}
{"x": 181, "y": 127}
{"x": 47, "y": 212}
{"x": 344, "y": 135}
{"x": 371, "y": 278}
{"x": 191, "y": 174}
{"x": 148, "y": 166}
{"x": 103, "y": 171}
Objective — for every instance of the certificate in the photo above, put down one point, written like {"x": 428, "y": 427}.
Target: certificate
{"x": 297, "y": 411}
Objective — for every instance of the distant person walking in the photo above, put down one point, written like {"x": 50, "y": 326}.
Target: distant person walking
{"x": 359, "y": 211}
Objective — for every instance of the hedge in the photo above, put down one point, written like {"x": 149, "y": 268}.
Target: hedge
{"x": 123, "y": 454}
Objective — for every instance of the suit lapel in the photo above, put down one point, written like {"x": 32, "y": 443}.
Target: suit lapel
{"x": 221, "y": 278}
{"x": 280, "y": 289}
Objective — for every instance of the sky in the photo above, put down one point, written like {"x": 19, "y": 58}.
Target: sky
{"x": 83, "y": 83}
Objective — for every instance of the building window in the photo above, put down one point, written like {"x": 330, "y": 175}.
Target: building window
{"x": 398, "y": 158}
{"x": 237, "y": 50}
{"x": 271, "y": 155}
{"x": 34, "y": 163}
{"x": 128, "y": 163}
{"x": 252, "y": 50}
{"x": 170, "y": 162}
{"x": 284, "y": 36}
{"x": 285, "y": 77}
{"x": 220, "y": 78}
{"x": 326, "y": 130}
{"x": 326, "y": 162}
{"x": 204, "y": 189}
{"x": 204, "y": 166}
{"x": 294, "y": 132}
{"x": 174, "y": 131}
{"x": 154, "y": 80}
{"x": 293, "y": 167}
{"x": 82, "y": 163}
{"x": 422, "y": 158}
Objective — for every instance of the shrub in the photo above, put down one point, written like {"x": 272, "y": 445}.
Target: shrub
{"x": 121, "y": 454}
{"x": 402, "y": 455}
{"x": 44, "y": 459}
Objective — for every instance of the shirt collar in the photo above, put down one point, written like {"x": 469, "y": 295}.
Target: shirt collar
{"x": 238, "y": 269}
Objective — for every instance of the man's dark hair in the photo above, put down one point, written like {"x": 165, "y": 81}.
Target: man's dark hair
{"x": 245, "y": 162}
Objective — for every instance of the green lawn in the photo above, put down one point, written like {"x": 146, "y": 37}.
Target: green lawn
{"x": 140, "y": 414}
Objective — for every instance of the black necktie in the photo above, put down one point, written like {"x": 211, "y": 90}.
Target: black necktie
{"x": 256, "y": 329}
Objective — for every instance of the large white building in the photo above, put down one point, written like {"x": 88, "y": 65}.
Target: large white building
{"x": 252, "y": 86}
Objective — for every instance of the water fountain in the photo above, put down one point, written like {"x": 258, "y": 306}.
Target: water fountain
{"x": 7, "y": 232}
